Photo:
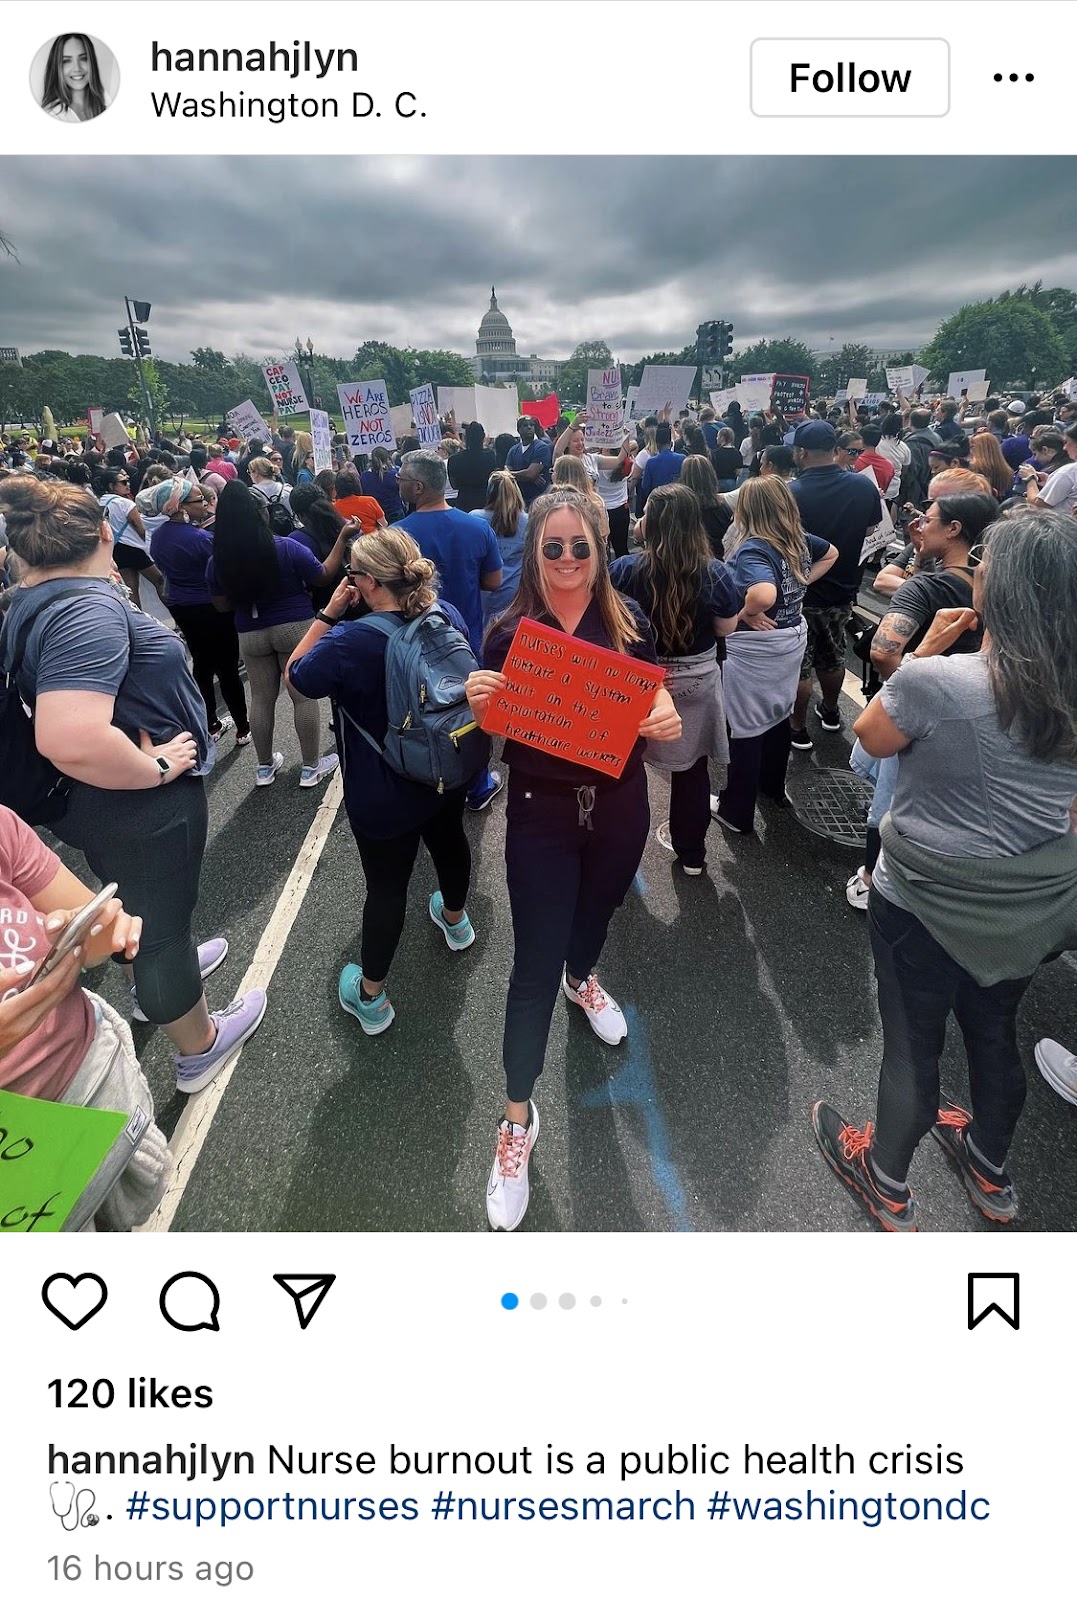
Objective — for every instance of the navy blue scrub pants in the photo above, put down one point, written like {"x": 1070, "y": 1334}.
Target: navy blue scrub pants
{"x": 565, "y": 879}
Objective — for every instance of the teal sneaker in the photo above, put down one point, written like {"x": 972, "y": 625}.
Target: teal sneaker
{"x": 373, "y": 1016}
{"x": 458, "y": 935}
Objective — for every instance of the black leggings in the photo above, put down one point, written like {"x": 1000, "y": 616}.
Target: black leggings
{"x": 150, "y": 842}
{"x": 214, "y": 645}
{"x": 387, "y": 866}
{"x": 619, "y": 526}
{"x": 919, "y": 985}
{"x": 565, "y": 882}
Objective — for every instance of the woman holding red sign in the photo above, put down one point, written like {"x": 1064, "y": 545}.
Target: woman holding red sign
{"x": 574, "y": 836}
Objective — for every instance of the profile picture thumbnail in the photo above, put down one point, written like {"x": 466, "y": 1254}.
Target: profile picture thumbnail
{"x": 74, "y": 77}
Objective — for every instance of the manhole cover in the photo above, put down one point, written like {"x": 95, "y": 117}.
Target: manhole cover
{"x": 834, "y": 805}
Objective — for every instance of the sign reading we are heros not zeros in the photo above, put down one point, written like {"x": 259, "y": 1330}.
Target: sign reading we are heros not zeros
{"x": 572, "y": 700}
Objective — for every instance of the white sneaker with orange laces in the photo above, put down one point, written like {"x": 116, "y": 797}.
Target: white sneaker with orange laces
{"x": 509, "y": 1188}
{"x": 601, "y": 1009}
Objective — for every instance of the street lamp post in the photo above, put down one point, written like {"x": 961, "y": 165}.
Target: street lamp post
{"x": 304, "y": 359}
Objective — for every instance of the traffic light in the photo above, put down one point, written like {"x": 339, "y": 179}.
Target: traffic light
{"x": 142, "y": 342}
{"x": 126, "y": 346}
{"x": 725, "y": 340}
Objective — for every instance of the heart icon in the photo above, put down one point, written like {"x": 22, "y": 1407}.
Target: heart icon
{"x": 74, "y": 1300}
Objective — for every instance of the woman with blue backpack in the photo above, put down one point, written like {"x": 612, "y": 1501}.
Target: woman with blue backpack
{"x": 408, "y": 747}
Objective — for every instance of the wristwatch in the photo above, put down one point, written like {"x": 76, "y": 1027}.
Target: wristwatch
{"x": 164, "y": 768}
{"x": 330, "y": 622}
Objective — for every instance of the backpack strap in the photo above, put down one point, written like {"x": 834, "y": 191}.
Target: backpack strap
{"x": 13, "y": 648}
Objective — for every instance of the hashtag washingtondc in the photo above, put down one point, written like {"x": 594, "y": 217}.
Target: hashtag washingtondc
{"x": 297, "y": 60}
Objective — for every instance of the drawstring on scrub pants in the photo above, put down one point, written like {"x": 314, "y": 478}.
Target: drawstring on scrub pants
{"x": 585, "y": 796}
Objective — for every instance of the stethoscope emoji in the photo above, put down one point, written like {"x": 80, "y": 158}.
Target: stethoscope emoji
{"x": 71, "y": 1508}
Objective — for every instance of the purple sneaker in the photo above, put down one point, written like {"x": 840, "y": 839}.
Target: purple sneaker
{"x": 235, "y": 1024}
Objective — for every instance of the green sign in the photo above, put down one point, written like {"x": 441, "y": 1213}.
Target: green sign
{"x": 48, "y": 1155}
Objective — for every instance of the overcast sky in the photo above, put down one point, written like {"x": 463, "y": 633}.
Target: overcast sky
{"x": 244, "y": 254}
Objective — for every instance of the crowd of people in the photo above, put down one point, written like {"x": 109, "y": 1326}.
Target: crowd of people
{"x": 158, "y": 596}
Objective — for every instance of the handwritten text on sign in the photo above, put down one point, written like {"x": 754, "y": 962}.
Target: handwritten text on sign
{"x": 48, "y": 1154}
{"x": 365, "y": 407}
{"x": 571, "y": 699}
{"x": 285, "y": 388}
{"x": 425, "y": 411}
{"x": 603, "y": 428}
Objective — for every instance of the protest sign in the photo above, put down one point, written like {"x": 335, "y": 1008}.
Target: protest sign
{"x": 789, "y": 395}
{"x": 630, "y": 412}
{"x": 322, "y": 437}
{"x": 461, "y": 402}
{"x": 905, "y": 380}
{"x": 573, "y": 700}
{"x": 244, "y": 422}
{"x": 720, "y": 398}
{"x": 48, "y": 1155}
{"x": 400, "y": 420}
{"x": 977, "y": 391}
{"x": 497, "y": 409}
{"x": 424, "y": 408}
{"x": 872, "y": 400}
{"x": 753, "y": 392}
{"x": 878, "y": 537}
{"x": 856, "y": 388}
{"x": 113, "y": 431}
{"x": 603, "y": 428}
{"x": 365, "y": 408}
{"x": 545, "y": 412}
{"x": 94, "y": 418}
{"x": 1069, "y": 388}
{"x": 958, "y": 382}
{"x": 664, "y": 389}
{"x": 285, "y": 388}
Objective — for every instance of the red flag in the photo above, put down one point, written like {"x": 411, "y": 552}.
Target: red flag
{"x": 545, "y": 412}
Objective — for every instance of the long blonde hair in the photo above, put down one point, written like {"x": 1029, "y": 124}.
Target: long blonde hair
{"x": 394, "y": 560}
{"x": 767, "y": 511}
{"x": 569, "y": 472}
{"x": 532, "y": 597}
{"x": 504, "y": 502}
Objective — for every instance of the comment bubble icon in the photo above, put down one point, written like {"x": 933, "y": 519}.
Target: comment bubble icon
{"x": 190, "y": 1303}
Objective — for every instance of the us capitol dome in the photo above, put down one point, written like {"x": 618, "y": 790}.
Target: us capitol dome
{"x": 496, "y": 360}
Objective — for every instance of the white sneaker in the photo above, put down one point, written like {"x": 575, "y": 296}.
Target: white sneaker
{"x": 311, "y": 777}
{"x": 509, "y": 1187}
{"x": 267, "y": 773}
{"x": 1059, "y": 1066}
{"x": 602, "y": 1011}
{"x": 857, "y": 891}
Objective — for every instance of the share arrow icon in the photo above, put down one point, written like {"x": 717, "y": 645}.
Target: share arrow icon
{"x": 307, "y": 1290}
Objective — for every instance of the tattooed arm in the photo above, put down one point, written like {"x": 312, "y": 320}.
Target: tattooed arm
{"x": 891, "y": 641}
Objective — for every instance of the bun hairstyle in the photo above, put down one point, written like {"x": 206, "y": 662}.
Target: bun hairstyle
{"x": 50, "y": 523}
{"x": 395, "y": 561}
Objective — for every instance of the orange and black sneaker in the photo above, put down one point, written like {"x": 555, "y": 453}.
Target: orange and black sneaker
{"x": 992, "y": 1193}
{"x": 845, "y": 1150}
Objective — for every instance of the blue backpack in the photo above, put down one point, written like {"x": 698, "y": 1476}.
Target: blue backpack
{"x": 432, "y": 736}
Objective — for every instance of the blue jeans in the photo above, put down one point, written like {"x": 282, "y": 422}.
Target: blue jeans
{"x": 919, "y": 985}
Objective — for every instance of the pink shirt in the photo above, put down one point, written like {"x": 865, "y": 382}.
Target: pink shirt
{"x": 44, "y": 1063}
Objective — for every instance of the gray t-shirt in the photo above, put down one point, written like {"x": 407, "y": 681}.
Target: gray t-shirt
{"x": 964, "y": 786}
{"x": 94, "y": 641}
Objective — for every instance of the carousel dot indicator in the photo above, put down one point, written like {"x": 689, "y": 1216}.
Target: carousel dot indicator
{"x": 596, "y": 1299}
{"x": 538, "y": 1302}
{"x": 510, "y": 1301}
{"x": 567, "y": 1301}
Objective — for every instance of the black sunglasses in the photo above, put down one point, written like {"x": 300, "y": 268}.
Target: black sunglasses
{"x": 554, "y": 549}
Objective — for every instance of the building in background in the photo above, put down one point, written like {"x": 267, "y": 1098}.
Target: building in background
{"x": 496, "y": 359}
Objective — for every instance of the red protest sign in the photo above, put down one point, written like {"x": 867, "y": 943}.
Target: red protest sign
{"x": 573, "y": 700}
{"x": 545, "y": 412}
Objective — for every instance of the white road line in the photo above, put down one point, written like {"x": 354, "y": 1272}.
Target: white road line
{"x": 851, "y": 687}
{"x": 196, "y": 1119}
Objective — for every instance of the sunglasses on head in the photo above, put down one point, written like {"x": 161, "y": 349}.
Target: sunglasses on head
{"x": 554, "y": 549}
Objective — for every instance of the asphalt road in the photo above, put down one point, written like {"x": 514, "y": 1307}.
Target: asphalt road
{"x": 748, "y": 991}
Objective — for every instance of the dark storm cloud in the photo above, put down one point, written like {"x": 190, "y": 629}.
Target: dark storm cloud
{"x": 246, "y": 254}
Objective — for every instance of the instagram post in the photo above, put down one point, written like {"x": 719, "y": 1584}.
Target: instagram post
{"x": 537, "y": 624}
